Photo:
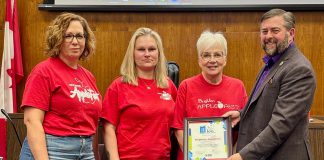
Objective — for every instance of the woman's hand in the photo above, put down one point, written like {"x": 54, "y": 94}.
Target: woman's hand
{"x": 235, "y": 115}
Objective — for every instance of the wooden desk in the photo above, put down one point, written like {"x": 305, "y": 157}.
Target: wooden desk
{"x": 13, "y": 146}
{"x": 316, "y": 136}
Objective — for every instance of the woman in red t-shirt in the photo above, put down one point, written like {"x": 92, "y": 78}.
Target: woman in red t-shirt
{"x": 61, "y": 101}
{"x": 138, "y": 106}
{"x": 210, "y": 93}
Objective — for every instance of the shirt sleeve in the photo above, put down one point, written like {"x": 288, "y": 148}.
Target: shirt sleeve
{"x": 173, "y": 90}
{"x": 244, "y": 96}
{"x": 110, "y": 109}
{"x": 37, "y": 91}
{"x": 179, "y": 112}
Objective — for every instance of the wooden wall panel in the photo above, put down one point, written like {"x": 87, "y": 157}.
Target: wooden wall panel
{"x": 310, "y": 39}
{"x": 179, "y": 31}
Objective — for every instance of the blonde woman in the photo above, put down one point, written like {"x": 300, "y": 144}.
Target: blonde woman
{"x": 138, "y": 106}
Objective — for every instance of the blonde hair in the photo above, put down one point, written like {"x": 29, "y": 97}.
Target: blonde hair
{"x": 56, "y": 31}
{"x": 209, "y": 39}
{"x": 128, "y": 66}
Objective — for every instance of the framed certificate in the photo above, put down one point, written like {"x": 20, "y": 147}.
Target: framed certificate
{"x": 207, "y": 138}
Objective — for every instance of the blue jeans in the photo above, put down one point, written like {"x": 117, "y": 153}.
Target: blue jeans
{"x": 59, "y": 148}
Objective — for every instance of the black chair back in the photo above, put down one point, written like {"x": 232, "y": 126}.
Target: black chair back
{"x": 173, "y": 72}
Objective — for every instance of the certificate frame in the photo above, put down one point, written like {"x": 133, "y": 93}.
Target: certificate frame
{"x": 207, "y": 138}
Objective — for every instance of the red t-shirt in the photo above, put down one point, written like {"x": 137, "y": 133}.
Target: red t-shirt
{"x": 142, "y": 117}
{"x": 69, "y": 97}
{"x": 198, "y": 98}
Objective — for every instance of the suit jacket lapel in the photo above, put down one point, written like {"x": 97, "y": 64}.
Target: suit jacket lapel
{"x": 268, "y": 79}
{"x": 271, "y": 73}
{"x": 253, "y": 90}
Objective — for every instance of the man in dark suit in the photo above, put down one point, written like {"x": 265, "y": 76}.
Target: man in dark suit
{"x": 274, "y": 123}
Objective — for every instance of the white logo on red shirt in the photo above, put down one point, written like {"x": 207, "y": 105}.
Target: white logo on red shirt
{"x": 220, "y": 105}
{"x": 165, "y": 96}
{"x": 210, "y": 103}
{"x": 84, "y": 94}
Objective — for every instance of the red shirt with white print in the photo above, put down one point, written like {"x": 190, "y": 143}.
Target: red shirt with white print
{"x": 198, "y": 98}
{"x": 142, "y": 115}
{"x": 69, "y": 97}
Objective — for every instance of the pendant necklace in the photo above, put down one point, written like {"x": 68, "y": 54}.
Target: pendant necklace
{"x": 148, "y": 86}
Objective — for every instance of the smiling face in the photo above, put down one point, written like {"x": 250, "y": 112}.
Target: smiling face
{"x": 212, "y": 62}
{"x": 73, "y": 42}
{"x": 146, "y": 53}
{"x": 275, "y": 38}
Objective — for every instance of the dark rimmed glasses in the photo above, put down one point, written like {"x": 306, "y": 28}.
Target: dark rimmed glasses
{"x": 79, "y": 37}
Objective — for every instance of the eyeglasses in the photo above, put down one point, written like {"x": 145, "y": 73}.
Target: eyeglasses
{"x": 70, "y": 37}
{"x": 206, "y": 56}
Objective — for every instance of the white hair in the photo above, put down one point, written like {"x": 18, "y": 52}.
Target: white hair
{"x": 209, "y": 39}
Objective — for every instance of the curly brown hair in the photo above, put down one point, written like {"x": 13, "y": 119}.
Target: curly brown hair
{"x": 56, "y": 30}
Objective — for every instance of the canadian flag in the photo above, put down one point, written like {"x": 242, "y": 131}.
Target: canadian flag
{"x": 11, "y": 69}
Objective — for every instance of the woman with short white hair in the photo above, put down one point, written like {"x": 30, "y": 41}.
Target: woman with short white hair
{"x": 210, "y": 93}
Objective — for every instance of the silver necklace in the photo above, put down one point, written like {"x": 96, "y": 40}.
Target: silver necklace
{"x": 148, "y": 86}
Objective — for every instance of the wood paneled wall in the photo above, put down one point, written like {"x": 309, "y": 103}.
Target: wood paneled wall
{"x": 179, "y": 31}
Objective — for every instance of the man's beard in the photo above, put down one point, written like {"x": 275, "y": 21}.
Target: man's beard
{"x": 279, "y": 48}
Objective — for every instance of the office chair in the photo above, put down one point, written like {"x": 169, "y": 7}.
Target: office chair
{"x": 173, "y": 72}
